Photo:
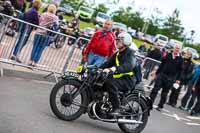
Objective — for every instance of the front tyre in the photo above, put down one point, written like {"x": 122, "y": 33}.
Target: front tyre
{"x": 138, "y": 110}
{"x": 61, "y": 102}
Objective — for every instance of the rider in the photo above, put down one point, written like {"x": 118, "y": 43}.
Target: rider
{"x": 75, "y": 21}
{"x": 121, "y": 64}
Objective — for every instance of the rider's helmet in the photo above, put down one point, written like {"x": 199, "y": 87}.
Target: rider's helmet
{"x": 126, "y": 38}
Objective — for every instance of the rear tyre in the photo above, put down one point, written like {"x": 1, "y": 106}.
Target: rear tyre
{"x": 60, "y": 41}
{"x": 140, "y": 113}
{"x": 62, "y": 105}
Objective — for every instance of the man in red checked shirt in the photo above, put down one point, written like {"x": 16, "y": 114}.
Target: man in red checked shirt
{"x": 101, "y": 46}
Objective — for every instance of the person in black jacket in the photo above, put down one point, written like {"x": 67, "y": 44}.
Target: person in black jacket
{"x": 186, "y": 75}
{"x": 196, "y": 89}
{"x": 121, "y": 64}
{"x": 169, "y": 72}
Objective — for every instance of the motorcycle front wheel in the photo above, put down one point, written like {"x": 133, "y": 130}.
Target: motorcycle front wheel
{"x": 138, "y": 111}
{"x": 61, "y": 101}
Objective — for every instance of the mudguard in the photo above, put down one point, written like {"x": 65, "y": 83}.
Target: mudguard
{"x": 146, "y": 99}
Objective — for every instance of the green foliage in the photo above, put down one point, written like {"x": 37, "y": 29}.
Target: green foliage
{"x": 131, "y": 19}
{"x": 74, "y": 3}
{"x": 100, "y": 8}
{"x": 172, "y": 26}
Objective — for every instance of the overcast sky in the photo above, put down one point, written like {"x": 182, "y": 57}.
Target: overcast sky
{"x": 188, "y": 11}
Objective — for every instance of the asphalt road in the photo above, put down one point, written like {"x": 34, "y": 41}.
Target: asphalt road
{"x": 24, "y": 108}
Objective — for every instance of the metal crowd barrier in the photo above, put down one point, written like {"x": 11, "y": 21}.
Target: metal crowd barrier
{"x": 52, "y": 60}
{"x": 149, "y": 65}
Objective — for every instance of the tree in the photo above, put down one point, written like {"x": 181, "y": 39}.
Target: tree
{"x": 100, "y": 8}
{"x": 74, "y": 3}
{"x": 172, "y": 27}
{"x": 131, "y": 19}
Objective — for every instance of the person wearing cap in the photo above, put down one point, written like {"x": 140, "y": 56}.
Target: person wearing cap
{"x": 121, "y": 64}
{"x": 31, "y": 16}
{"x": 101, "y": 46}
{"x": 185, "y": 76}
{"x": 168, "y": 72}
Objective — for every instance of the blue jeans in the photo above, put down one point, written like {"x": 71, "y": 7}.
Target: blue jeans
{"x": 23, "y": 38}
{"x": 94, "y": 59}
{"x": 39, "y": 43}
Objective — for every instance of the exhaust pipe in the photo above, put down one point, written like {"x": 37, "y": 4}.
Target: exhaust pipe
{"x": 126, "y": 121}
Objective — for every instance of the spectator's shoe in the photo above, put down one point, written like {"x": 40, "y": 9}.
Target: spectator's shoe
{"x": 18, "y": 60}
{"x": 182, "y": 108}
{"x": 193, "y": 113}
{"x": 159, "y": 109}
{"x": 171, "y": 104}
{"x": 13, "y": 58}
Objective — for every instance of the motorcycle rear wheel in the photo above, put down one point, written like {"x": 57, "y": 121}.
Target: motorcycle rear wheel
{"x": 140, "y": 107}
{"x": 65, "y": 102}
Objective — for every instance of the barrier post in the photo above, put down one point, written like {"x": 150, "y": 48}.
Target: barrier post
{"x": 70, "y": 55}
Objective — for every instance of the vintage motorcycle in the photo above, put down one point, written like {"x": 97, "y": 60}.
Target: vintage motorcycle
{"x": 84, "y": 92}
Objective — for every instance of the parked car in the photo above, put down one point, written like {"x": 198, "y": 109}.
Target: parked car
{"x": 161, "y": 40}
{"x": 195, "y": 54}
{"x": 120, "y": 26}
{"x": 172, "y": 42}
{"x": 148, "y": 38}
{"x": 101, "y": 18}
{"x": 66, "y": 9}
{"x": 132, "y": 32}
{"x": 85, "y": 13}
{"x": 87, "y": 32}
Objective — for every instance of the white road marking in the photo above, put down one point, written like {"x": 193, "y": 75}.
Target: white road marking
{"x": 176, "y": 117}
{"x": 165, "y": 110}
{"x": 193, "y": 124}
{"x": 193, "y": 117}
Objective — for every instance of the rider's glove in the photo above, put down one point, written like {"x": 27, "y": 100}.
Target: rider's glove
{"x": 112, "y": 69}
{"x": 106, "y": 70}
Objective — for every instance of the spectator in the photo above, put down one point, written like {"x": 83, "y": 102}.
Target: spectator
{"x": 143, "y": 48}
{"x": 155, "y": 53}
{"x": 75, "y": 21}
{"x": 101, "y": 46}
{"x": 6, "y": 7}
{"x": 19, "y": 5}
{"x": 116, "y": 31}
{"x": 168, "y": 72}
{"x": 196, "y": 89}
{"x": 47, "y": 20}
{"x": 186, "y": 75}
{"x": 190, "y": 96}
{"x": 30, "y": 16}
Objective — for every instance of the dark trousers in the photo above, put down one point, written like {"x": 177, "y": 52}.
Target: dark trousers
{"x": 187, "y": 98}
{"x": 196, "y": 108}
{"x": 113, "y": 86}
{"x": 164, "y": 82}
{"x": 174, "y": 95}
